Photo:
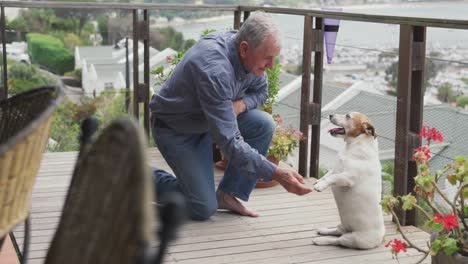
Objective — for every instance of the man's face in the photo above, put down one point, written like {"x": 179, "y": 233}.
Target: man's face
{"x": 257, "y": 60}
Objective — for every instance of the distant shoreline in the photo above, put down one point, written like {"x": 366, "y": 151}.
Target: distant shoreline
{"x": 345, "y": 8}
{"x": 406, "y": 4}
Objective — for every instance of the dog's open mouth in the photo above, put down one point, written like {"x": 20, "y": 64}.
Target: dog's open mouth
{"x": 337, "y": 131}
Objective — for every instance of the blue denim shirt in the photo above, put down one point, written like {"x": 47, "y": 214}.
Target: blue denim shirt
{"x": 198, "y": 97}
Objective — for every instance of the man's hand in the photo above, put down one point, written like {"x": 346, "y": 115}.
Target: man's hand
{"x": 292, "y": 181}
{"x": 239, "y": 106}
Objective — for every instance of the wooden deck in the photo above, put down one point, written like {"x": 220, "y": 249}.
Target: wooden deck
{"x": 282, "y": 234}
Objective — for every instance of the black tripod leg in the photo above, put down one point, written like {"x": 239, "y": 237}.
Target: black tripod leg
{"x": 27, "y": 237}
{"x": 2, "y": 239}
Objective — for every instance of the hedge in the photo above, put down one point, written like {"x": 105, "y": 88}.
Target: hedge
{"x": 49, "y": 52}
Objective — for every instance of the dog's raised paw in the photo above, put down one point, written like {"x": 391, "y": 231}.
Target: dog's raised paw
{"x": 320, "y": 186}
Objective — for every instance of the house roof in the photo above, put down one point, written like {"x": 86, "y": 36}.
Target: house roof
{"x": 286, "y": 78}
{"x": 95, "y": 52}
{"x": 289, "y": 101}
{"x": 109, "y": 53}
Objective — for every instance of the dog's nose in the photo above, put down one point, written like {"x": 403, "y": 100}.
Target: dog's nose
{"x": 330, "y": 117}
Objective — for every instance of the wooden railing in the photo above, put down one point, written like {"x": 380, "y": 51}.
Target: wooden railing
{"x": 412, "y": 46}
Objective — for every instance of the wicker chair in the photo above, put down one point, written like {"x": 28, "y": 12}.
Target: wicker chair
{"x": 25, "y": 121}
{"x": 108, "y": 215}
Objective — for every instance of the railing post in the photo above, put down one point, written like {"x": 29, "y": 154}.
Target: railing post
{"x": 127, "y": 78}
{"x": 237, "y": 19}
{"x": 305, "y": 94}
{"x": 409, "y": 114}
{"x": 141, "y": 90}
{"x": 246, "y": 15}
{"x": 315, "y": 114}
{"x": 146, "y": 73}
{"x": 136, "y": 109}
{"x": 4, "y": 91}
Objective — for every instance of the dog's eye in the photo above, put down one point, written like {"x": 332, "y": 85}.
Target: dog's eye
{"x": 348, "y": 116}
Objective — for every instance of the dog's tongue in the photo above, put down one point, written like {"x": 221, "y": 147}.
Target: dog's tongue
{"x": 336, "y": 130}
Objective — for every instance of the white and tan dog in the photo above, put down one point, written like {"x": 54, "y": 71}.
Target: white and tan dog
{"x": 356, "y": 184}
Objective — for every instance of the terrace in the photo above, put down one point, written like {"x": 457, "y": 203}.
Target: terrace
{"x": 287, "y": 224}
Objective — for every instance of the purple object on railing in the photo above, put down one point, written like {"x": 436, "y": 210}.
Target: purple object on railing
{"x": 331, "y": 31}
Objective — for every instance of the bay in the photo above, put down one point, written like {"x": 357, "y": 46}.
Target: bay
{"x": 360, "y": 34}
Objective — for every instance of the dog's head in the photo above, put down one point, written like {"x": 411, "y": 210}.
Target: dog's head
{"x": 351, "y": 125}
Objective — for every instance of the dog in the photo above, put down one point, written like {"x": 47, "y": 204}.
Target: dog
{"x": 356, "y": 184}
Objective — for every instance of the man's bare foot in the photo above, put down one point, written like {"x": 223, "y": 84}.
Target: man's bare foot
{"x": 231, "y": 203}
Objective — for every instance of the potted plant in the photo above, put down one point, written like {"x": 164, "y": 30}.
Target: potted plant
{"x": 284, "y": 142}
{"x": 447, "y": 221}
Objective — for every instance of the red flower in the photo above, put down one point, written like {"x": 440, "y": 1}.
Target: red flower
{"x": 450, "y": 221}
{"x": 431, "y": 134}
{"x": 397, "y": 246}
{"x": 422, "y": 154}
{"x": 169, "y": 58}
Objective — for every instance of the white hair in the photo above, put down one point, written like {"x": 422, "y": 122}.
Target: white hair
{"x": 258, "y": 26}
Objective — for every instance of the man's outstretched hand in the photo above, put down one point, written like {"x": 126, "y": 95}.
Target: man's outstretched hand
{"x": 292, "y": 181}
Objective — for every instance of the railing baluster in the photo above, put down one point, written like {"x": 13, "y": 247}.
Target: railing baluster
{"x": 409, "y": 111}
{"x": 4, "y": 91}
{"x": 141, "y": 90}
{"x": 246, "y": 15}
{"x": 237, "y": 19}
{"x": 146, "y": 74}
{"x": 317, "y": 41}
{"x": 135, "y": 63}
{"x": 305, "y": 93}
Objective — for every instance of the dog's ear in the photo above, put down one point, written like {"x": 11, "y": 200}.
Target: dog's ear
{"x": 368, "y": 129}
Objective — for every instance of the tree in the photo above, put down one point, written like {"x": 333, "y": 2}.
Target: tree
{"x": 388, "y": 55}
{"x": 446, "y": 93}
{"x": 430, "y": 71}
{"x": 462, "y": 101}
{"x": 35, "y": 20}
{"x": 103, "y": 25}
{"x": 465, "y": 80}
{"x": 19, "y": 26}
{"x": 165, "y": 37}
{"x": 118, "y": 28}
{"x": 81, "y": 16}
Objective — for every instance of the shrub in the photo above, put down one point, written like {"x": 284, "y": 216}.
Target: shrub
{"x": 75, "y": 74}
{"x": 24, "y": 77}
{"x": 50, "y": 53}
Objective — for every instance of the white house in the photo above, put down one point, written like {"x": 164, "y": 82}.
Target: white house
{"x": 103, "y": 67}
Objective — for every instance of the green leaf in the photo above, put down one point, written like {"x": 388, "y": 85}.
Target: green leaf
{"x": 425, "y": 182}
{"x": 437, "y": 227}
{"x": 460, "y": 159}
{"x": 423, "y": 167}
{"x": 388, "y": 202}
{"x": 465, "y": 193}
{"x": 159, "y": 70}
{"x": 408, "y": 202}
{"x": 449, "y": 246}
{"x": 452, "y": 178}
{"x": 435, "y": 247}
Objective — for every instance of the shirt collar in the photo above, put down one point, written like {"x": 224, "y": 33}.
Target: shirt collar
{"x": 241, "y": 72}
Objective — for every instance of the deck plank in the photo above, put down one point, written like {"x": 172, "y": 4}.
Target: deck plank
{"x": 282, "y": 233}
